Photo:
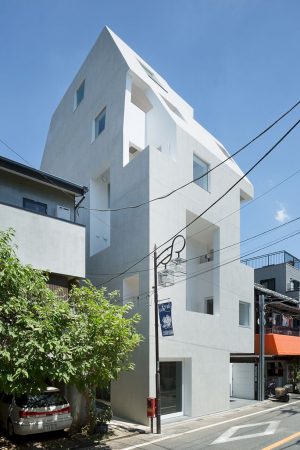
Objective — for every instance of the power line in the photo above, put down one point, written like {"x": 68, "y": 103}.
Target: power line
{"x": 269, "y": 230}
{"x": 212, "y": 205}
{"x": 249, "y": 203}
{"x": 230, "y": 261}
{"x": 239, "y": 257}
{"x": 203, "y": 175}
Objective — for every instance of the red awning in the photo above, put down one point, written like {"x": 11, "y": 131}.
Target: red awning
{"x": 279, "y": 344}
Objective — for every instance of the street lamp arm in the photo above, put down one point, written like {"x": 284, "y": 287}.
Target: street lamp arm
{"x": 166, "y": 259}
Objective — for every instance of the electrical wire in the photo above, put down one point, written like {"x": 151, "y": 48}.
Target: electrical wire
{"x": 212, "y": 205}
{"x": 269, "y": 230}
{"x": 203, "y": 175}
{"x": 224, "y": 263}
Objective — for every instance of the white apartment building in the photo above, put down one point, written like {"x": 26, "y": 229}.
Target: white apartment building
{"x": 122, "y": 131}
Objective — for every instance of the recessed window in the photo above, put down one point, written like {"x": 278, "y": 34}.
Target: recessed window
{"x": 133, "y": 152}
{"x": 200, "y": 169}
{"x": 244, "y": 314}
{"x": 210, "y": 306}
{"x": 100, "y": 122}
{"x": 32, "y": 205}
{"x": 152, "y": 75}
{"x": 79, "y": 94}
{"x": 269, "y": 283}
{"x": 173, "y": 108}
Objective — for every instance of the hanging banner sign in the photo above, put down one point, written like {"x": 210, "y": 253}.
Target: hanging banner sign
{"x": 165, "y": 317}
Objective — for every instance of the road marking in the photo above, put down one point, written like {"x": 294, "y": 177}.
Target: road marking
{"x": 283, "y": 441}
{"x": 175, "y": 435}
{"x": 227, "y": 436}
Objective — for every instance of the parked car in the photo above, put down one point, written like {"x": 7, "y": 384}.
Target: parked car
{"x": 30, "y": 414}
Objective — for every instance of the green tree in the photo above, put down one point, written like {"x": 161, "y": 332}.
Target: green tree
{"x": 85, "y": 340}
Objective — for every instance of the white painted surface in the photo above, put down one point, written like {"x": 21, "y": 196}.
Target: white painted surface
{"x": 204, "y": 341}
{"x": 46, "y": 243}
{"x": 243, "y": 380}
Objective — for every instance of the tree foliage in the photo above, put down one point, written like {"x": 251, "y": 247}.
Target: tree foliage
{"x": 85, "y": 339}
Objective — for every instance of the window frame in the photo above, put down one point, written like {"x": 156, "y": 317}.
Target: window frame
{"x": 29, "y": 201}
{"x": 244, "y": 325}
{"x": 97, "y": 119}
{"x": 205, "y": 185}
{"x": 76, "y": 101}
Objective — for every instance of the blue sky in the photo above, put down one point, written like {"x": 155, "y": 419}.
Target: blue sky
{"x": 235, "y": 61}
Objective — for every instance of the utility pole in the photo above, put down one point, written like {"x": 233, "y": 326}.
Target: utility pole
{"x": 157, "y": 374}
{"x": 261, "y": 366}
{"x": 162, "y": 259}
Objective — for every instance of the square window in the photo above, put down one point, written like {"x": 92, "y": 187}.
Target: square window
{"x": 79, "y": 94}
{"x": 200, "y": 169}
{"x": 100, "y": 122}
{"x": 244, "y": 314}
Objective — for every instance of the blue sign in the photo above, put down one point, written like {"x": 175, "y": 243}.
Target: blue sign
{"x": 165, "y": 317}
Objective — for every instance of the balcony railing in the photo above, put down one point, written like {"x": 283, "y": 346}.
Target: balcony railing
{"x": 277, "y": 329}
{"x": 272, "y": 259}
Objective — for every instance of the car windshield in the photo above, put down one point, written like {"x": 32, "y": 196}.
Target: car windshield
{"x": 40, "y": 400}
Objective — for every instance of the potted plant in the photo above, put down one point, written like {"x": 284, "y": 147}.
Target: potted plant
{"x": 103, "y": 416}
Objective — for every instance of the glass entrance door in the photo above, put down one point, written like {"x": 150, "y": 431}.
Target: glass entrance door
{"x": 171, "y": 387}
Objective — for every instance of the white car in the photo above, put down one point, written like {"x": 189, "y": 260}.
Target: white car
{"x": 30, "y": 414}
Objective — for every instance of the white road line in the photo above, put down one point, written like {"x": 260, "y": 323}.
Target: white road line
{"x": 171, "y": 436}
{"x": 228, "y": 436}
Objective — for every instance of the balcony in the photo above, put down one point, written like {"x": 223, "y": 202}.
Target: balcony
{"x": 272, "y": 259}
{"x": 45, "y": 242}
{"x": 280, "y": 344}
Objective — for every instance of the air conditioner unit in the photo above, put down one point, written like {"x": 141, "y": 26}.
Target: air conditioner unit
{"x": 62, "y": 212}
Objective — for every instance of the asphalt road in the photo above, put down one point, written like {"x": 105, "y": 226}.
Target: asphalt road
{"x": 264, "y": 426}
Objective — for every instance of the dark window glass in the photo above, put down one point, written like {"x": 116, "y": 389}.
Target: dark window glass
{"x": 100, "y": 122}
{"x": 34, "y": 206}
{"x": 171, "y": 387}
{"x": 210, "y": 306}
{"x": 80, "y": 94}
{"x": 268, "y": 284}
{"x": 40, "y": 400}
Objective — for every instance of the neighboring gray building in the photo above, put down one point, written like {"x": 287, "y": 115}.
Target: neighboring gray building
{"x": 277, "y": 277}
{"x": 278, "y": 271}
{"x": 41, "y": 210}
{"x": 124, "y": 132}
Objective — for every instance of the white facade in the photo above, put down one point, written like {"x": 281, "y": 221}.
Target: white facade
{"x": 145, "y": 150}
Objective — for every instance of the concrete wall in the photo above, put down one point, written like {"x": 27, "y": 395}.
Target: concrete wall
{"x": 44, "y": 242}
{"x": 202, "y": 342}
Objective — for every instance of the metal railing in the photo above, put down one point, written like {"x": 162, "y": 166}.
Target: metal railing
{"x": 272, "y": 259}
{"x": 277, "y": 329}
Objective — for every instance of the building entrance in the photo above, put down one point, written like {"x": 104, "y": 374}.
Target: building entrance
{"x": 171, "y": 387}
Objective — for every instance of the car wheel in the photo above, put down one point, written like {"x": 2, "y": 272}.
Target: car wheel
{"x": 10, "y": 429}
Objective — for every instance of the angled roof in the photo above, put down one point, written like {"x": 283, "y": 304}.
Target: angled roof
{"x": 165, "y": 93}
{"x": 42, "y": 177}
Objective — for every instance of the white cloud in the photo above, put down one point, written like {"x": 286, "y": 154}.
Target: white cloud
{"x": 281, "y": 215}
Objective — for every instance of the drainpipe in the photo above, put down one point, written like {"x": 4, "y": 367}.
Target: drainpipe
{"x": 85, "y": 190}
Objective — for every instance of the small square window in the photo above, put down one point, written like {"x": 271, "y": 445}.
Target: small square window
{"x": 244, "y": 314}
{"x": 100, "y": 123}
{"x": 200, "y": 169}
{"x": 79, "y": 94}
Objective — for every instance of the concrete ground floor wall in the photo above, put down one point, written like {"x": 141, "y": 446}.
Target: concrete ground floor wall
{"x": 204, "y": 384}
